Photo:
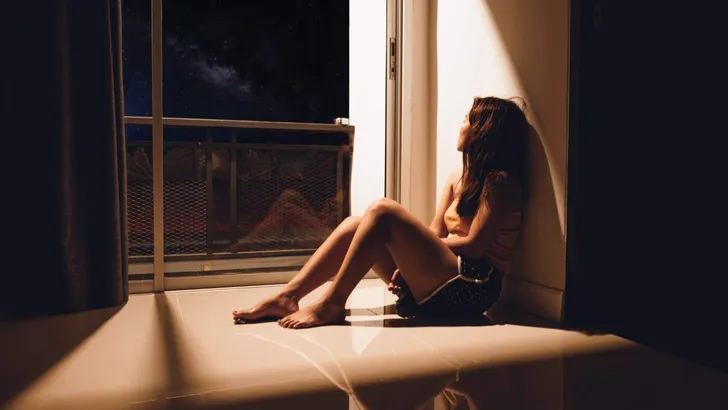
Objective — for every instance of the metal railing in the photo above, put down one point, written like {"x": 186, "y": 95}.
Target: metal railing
{"x": 269, "y": 189}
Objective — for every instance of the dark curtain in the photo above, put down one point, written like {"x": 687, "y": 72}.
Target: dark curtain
{"x": 65, "y": 188}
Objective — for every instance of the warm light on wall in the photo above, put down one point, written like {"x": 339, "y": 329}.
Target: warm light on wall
{"x": 472, "y": 60}
{"x": 513, "y": 48}
{"x": 367, "y": 99}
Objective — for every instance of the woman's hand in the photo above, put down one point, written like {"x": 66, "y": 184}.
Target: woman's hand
{"x": 397, "y": 285}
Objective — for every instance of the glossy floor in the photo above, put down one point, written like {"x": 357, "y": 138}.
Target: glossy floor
{"x": 182, "y": 350}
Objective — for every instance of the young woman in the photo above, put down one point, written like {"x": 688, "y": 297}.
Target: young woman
{"x": 452, "y": 268}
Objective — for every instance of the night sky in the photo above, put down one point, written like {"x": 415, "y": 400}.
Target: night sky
{"x": 282, "y": 60}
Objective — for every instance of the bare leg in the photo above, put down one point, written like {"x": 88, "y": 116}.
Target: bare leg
{"x": 321, "y": 267}
{"x": 423, "y": 260}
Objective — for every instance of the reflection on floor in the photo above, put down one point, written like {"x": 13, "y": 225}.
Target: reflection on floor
{"x": 182, "y": 350}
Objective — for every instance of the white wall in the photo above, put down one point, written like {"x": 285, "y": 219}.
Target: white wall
{"x": 509, "y": 48}
{"x": 418, "y": 119}
{"x": 367, "y": 99}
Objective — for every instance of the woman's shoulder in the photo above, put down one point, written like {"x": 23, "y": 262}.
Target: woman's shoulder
{"x": 455, "y": 175}
{"x": 453, "y": 178}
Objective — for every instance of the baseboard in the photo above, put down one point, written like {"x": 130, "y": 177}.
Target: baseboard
{"x": 221, "y": 265}
{"x": 229, "y": 280}
{"x": 220, "y": 281}
{"x": 532, "y": 298}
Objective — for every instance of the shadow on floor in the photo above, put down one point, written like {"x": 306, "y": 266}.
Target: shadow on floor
{"x": 176, "y": 354}
{"x": 420, "y": 321}
{"x": 423, "y": 322}
{"x": 504, "y": 314}
{"x": 349, "y": 312}
{"x": 31, "y": 347}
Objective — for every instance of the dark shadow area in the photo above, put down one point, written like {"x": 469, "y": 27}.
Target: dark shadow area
{"x": 531, "y": 384}
{"x": 621, "y": 378}
{"x": 500, "y": 314}
{"x": 640, "y": 378}
{"x": 358, "y": 312}
{"x": 420, "y": 320}
{"x": 541, "y": 248}
{"x": 175, "y": 360}
{"x": 349, "y": 312}
{"x": 645, "y": 257}
{"x": 413, "y": 393}
{"x": 306, "y": 399}
{"x": 31, "y": 347}
{"x": 417, "y": 321}
{"x": 424, "y": 321}
{"x": 505, "y": 314}
{"x": 80, "y": 261}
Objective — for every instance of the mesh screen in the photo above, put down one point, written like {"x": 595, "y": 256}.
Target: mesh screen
{"x": 185, "y": 201}
{"x": 220, "y": 199}
{"x": 140, "y": 201}
{"x": 286, "y": 199}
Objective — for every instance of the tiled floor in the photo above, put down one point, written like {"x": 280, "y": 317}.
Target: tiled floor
{"x": 182, "y": 350}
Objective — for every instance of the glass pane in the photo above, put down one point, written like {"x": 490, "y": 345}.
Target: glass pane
{"x": 284, "y": 60}
{"x": 256, "y": 191}
{"x": 137, "y": 53}
{"x": 138, "y": 133}
{"x": 140, "y": 203}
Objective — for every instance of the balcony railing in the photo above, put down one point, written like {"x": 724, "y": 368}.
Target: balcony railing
{"x": 241, "y": 189}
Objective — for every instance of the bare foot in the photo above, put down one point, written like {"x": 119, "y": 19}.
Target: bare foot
{"x": 319, "y": 314}
{"x": 275, "y": 307}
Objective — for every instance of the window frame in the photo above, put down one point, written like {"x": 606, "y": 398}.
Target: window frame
{"x": 160, "y": 283}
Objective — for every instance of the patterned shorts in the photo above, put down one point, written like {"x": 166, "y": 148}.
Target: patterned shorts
{"x": 472, "y": 292}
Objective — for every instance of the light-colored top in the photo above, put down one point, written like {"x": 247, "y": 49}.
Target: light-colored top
{"x": 500, "y": 250}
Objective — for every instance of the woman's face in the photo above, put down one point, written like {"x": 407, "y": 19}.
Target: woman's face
{"x": 464, "y": 128}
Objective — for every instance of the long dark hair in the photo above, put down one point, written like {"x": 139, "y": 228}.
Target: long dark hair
{"x": 494, "y": 148}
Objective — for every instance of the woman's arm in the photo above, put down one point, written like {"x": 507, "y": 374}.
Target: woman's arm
{"x": 446, "y": 198}
{"x": 487, "y": 221}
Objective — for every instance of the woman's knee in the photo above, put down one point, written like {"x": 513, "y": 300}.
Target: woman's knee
{"x": 350, "y": 223}
{"x": 383, "y": 206}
